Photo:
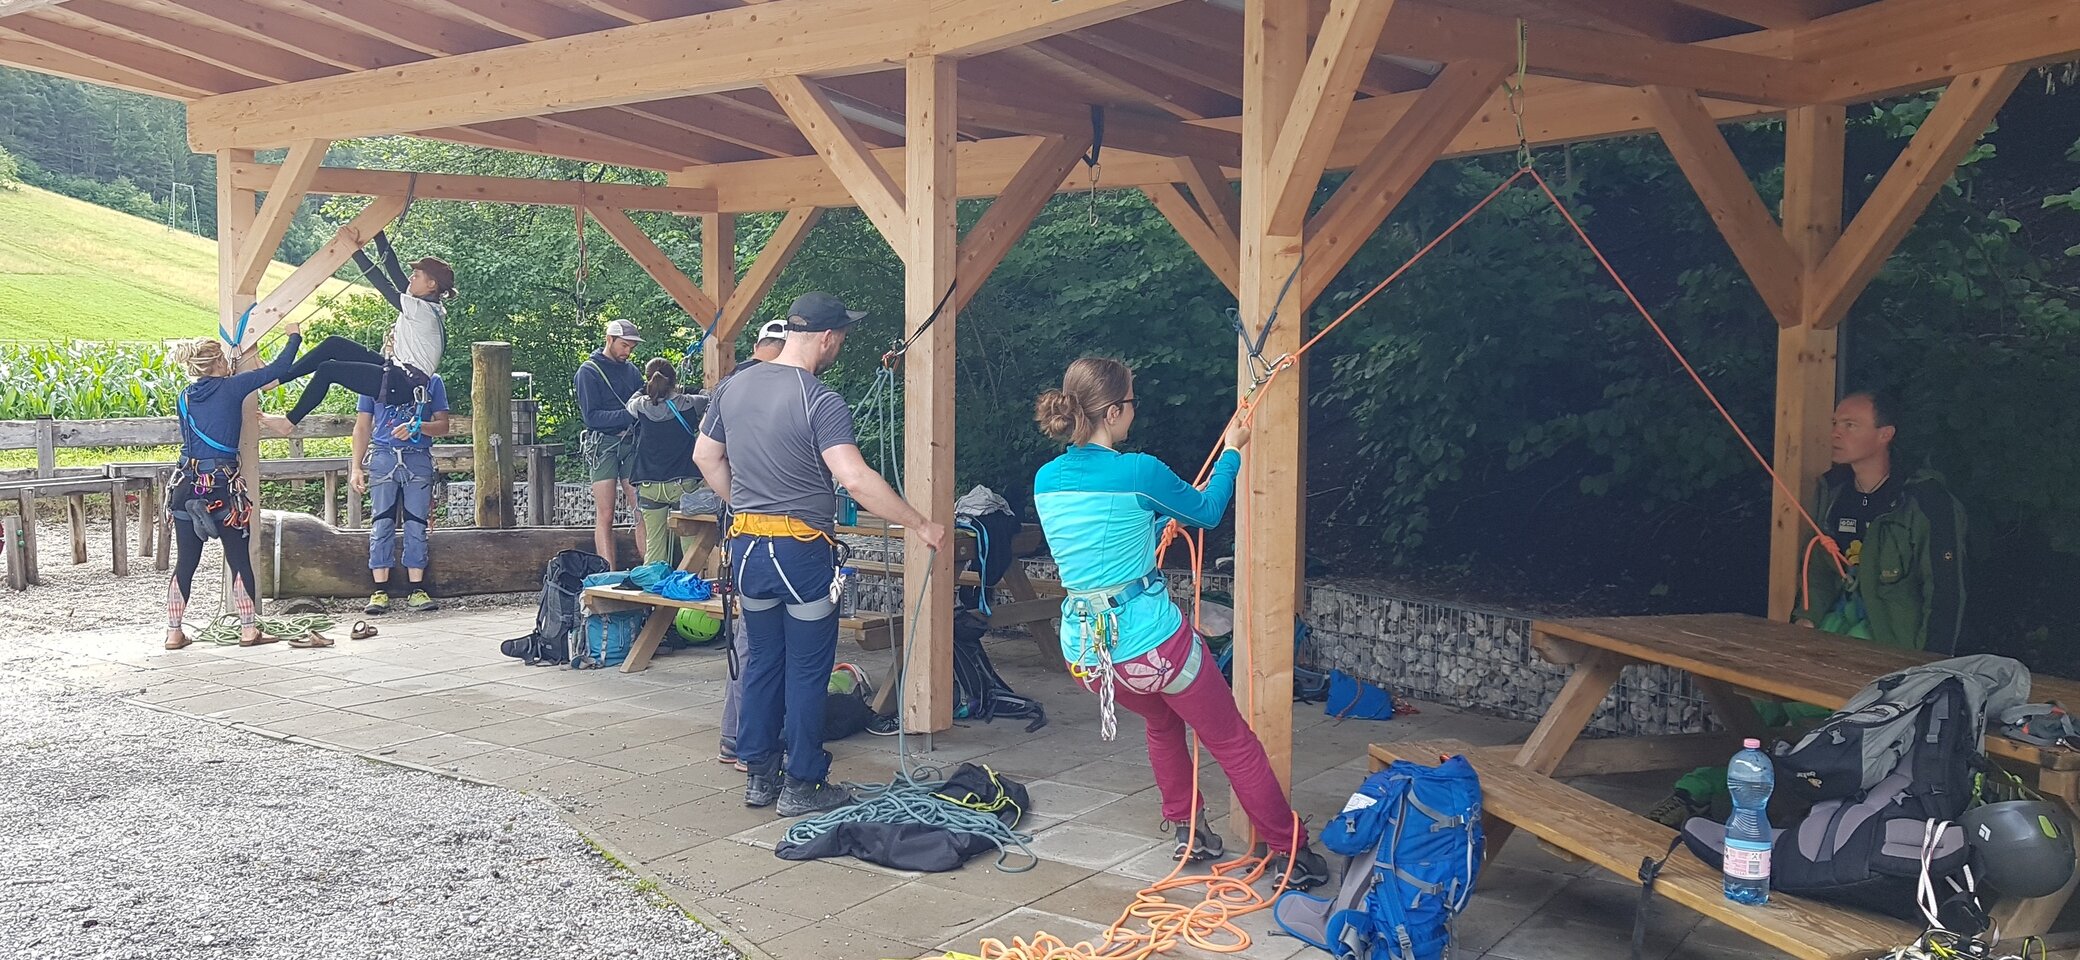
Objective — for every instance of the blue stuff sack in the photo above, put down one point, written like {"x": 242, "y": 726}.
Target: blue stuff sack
{"x": 1352, "y": 698}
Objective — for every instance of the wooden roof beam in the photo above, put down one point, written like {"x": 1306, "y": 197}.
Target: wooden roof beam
{"x": 1693, "y": 137}
{"x": 129, "y": 55}
{"x": 1905, "y": 45}
{"x": 1134, "y": 80}
{"x": 562, "y": 139}
{"x": 345, "y": 181}
{"x": 284, "y": 195}
{"x": 743, "y": 128}
{"x": 686, "y": 56}
{"x": 316, "y": 39}
{"x": 1217, "y": 33}
{"x": 872, "y": 188}
{"x": 411, "y": 27}
{"x": 202, "y": 43}
{"x": 17, "y": 51}
{"x": 1659, "y": 19}
{"x": 1154, "y": 136}
{"x": 529, "y": 19}
{"x": 1775, "y": 14}
{"x": 649, "y": 133}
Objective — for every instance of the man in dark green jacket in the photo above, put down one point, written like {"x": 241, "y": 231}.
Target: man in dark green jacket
{"x": 1902, "y": 537}
{"x": 1902, "y": 540}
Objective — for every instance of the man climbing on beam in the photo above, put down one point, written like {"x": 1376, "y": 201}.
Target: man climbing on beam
{"x": 774, "y": 444}
{"x": 1903, "y": 539}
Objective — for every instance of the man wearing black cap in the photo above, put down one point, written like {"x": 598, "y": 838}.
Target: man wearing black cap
{"x": 774, "y": 444}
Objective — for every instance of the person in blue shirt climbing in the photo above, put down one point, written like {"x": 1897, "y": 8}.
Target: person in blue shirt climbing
{"x": 393, "y": 462}
{"x": 206, "y": 498}
{"x": 1123, "y": 637}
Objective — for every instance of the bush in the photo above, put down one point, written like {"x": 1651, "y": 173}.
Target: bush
{"x": 10, "y": 170}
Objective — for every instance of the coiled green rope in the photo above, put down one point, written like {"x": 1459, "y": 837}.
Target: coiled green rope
{"x": 226, "y": 629}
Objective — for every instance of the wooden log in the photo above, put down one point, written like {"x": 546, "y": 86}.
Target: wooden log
{"x": 46, "y": 447}
{"x": 17, "y": 563}
{"x": 119, "y": 526}
{"x": 76, "y": 513}
{"x": 27, "y": 500}
{"x": 491, "y": 403}
{"x": 322, "y": 560}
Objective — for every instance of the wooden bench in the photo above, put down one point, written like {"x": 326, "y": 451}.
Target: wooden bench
{"x": 22, "y": 547}
{"x": 1617, "y": 840}
{"x": 874, "y": 631}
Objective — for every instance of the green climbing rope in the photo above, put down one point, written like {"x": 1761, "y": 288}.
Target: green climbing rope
{"x": 226, "y": 629}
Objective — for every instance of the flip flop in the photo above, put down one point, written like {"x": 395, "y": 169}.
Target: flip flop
{"x": 181, "y": 643}
{"x": 362, "y": 630}
{"x": 265, "y": 638}
{"x": 310, "y": 640}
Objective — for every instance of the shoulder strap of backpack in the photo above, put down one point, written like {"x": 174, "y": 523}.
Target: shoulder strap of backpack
{"x": 1649, "y": 871}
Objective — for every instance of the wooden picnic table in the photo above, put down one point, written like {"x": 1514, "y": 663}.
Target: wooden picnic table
{"x": 1732, "y": 658}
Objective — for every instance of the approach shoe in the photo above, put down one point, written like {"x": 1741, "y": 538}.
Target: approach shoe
{"x": 1194, "y": 845}
{"x": 1309, "y": 869}
{"x": 1677, "y": 808}
{"x": 884, "y": 726}
{"x": 762, "y": 783}
{"x": 421, "y": 601}
{"x": 378, "y": 602}
{"x": 801, "y": 798}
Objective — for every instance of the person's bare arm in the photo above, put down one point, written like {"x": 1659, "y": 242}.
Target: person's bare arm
{"x": 364, "y": 427}
{"x": 874, "y": 493}
{"x": 436, "y": 425}
{"x": 712, "y": 458}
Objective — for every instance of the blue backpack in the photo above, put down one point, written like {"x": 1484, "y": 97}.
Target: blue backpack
{"x": 1413, "y": 842}
{"x": 607, "y": 637}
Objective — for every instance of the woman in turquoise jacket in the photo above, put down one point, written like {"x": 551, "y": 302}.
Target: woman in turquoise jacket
{"x": 1123, "y": 637}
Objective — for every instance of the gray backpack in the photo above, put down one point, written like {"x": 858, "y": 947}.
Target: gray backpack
{"x": 1927, "y": 723}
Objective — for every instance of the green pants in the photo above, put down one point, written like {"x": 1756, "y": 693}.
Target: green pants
{"x": 1709, "y": 783}
{"x": 656, "y": 500}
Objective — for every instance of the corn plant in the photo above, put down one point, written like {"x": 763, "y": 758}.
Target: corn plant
{"x": 102, "y": 381}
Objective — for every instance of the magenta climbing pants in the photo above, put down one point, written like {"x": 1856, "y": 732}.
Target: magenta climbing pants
{"x": 1207, "y": 706}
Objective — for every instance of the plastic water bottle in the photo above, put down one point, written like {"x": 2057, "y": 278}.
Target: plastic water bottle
{"x": 1749, "y": 779}
{"x": 848, "y": 509}
{"x": 848, "y": 591}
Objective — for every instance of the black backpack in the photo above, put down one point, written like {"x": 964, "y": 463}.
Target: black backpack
{"x": 1925, "y": 732}
{"x": 556, "y": 616}
{"x": 980, "y": 693}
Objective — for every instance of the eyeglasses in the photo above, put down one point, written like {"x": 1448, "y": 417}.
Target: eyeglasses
{"x": 1128, "y": 402}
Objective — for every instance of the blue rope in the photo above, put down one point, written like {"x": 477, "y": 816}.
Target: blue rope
{"x": 907, "y": 797}
{"x": 234, "y": 340}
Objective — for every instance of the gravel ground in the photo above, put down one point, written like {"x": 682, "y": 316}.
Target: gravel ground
{"x": 136, "y": 834}
{"x": 90, "y": 596}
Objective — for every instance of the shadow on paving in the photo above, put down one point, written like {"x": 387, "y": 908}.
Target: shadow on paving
{"x": 631, "y": 757}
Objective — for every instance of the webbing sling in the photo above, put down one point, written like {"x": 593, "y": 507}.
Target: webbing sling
{"x": 182, "y": 402}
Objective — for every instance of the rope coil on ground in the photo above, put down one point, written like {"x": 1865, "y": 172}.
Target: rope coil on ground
{"x": 225, "y": 630}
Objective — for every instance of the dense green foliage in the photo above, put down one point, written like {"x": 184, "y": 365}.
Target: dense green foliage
{"x": 10, "y": 170}
{"x": 1499, "y": 423}
{"x": 104, "y": 380}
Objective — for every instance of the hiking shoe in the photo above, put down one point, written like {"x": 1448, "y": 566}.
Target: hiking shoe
{"x": 1309, "y": 869}
{"x": 762, "y": 783}
{"x": 803, "y": 797}
{"x": 422, "y": 602}
{"x": 1196, "y": 845}
{"x": 1677, "y": 808}
{"x": 884, "y": 726}
{"x": 378, "y": 602}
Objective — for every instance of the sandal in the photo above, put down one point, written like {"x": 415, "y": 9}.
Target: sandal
{"x": 263, "y": 638}
{"x": 310, "y": 640}
{"x": 182, "y": 642}
{"x": 362, "y": 630}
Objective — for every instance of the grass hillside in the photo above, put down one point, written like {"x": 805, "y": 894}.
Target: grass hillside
{"x": 70, "y": 270}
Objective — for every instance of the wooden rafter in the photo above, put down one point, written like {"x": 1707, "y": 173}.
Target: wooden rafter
{"x": 272, "y": 224}
{"x": 128, "y": 55}
{"x": 1008, "y": 217}
{"x": 1729, "y": 197}
{"x": 685, "y": 56}
{"x": 1659, "y": 19}
{"x": 1169, "y": 53}
{"x": 411, "y": 27}
{"x": 1155, "y": 136}
{"x": 1216, "y": 33}
{"x": 709, "y": 116}
{"x": 649, "y": 133}
{"x": 1218, "y": 249}
{"x": 528, "y": 19}
{"x": 340, "y": 181}
{"x": 319, "y": 40}
{"x": 687, "y": 294}
{"x": 215, "y": 47}
{"x": 313, "y": 272}
{"x": 840, "y": 147}
{"x": 1958, "y": 121}
{"x": 571, "y": 139}
{"x": 1315, "y": 119}
{"x": 1378, "y": 184}
{"x": 1132, "y": 80}
{"x": 43, "y": 58}
{"x": 1772, "y": 13}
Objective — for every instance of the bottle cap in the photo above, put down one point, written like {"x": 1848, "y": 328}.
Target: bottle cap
{"x": 1752, "y": 743}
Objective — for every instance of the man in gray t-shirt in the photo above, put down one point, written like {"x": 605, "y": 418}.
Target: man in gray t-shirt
{"x": 774, "y": 443}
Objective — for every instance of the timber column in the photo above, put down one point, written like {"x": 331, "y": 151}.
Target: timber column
{"x": 1271, "y": 516}
{"x": 491, "y": 432}
{"x": 1806, "y": 352}
{"x": 237, "y": 212}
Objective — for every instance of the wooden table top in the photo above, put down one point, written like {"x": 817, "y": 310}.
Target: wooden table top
{"x": 1783, "y": 660}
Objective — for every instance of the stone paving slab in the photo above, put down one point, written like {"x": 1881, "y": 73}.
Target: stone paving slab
{"x": 632, "y": 758}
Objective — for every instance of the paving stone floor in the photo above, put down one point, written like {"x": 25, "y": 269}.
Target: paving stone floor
{"x": 631, "y": 757}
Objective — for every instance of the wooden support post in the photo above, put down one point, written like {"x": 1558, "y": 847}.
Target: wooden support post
{"x": 1271, "y": 518}
{"x": 46, "y": 448}
{"x": 256, "y": 250}
{"x": 931, "y": 250}
{"x": 541, "y": 485}
{"x": 296, "y": 453}
{"x": 719, "y": 279}
{"x": 76, "y": 513}
{"x": 162, "y": 552}
{"x": 331, "y": 513}
{"x": 1322, "y": 95}
{"x": 148, "y": 507}
{"x": 1806, "y": 353}
{"x": 119, "y": 527}
{"x": 27, "y": 501}
{"x": 17, "y": 561}
{"x": 491, "y": 431}
{"x": 357, "y": 509}
{"x": 237, "y": 213}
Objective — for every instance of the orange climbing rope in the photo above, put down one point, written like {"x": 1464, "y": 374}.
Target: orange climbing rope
{"x": 1209, "y": 925}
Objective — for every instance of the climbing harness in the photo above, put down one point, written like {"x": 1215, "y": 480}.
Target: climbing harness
{"x": 1097, "y": 622}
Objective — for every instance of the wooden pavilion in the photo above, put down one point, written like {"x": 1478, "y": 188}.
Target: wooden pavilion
{"x": 899, "y": 107}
